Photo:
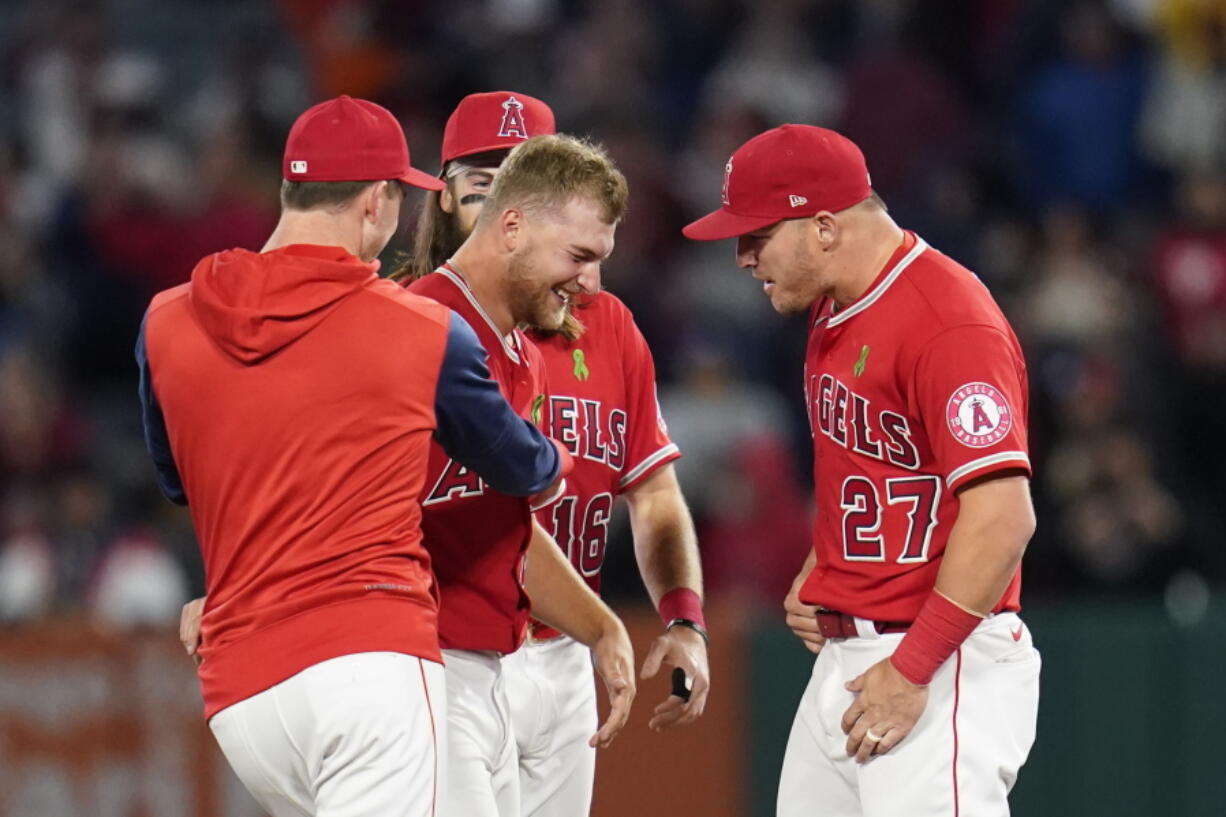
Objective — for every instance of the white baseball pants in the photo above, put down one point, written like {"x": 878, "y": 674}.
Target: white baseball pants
{"x": 482, "y": 767}
{"x": 553, "y": 708}
{"x": 960, "y": 760}
{"x": 360, "y": 735}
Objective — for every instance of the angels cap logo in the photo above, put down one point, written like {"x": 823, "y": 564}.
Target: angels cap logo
{"x": 723, "y": 194}
{"x": 978, "y": 415}
{"x": 797, "y": 201}
{"x": 513, "y": 119}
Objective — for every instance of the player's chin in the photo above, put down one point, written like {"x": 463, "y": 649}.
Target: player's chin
{"x": 785, "y": 305}
{"x": 550, "y": 318}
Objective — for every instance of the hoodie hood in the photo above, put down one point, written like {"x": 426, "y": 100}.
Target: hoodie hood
{"x": 255, "y": 304}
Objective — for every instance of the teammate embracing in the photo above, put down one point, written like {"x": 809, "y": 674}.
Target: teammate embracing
{"x": 916, "y": 392}
{"x": 602, "y": 406}
{"x": 538, "y": 242}
{"x": 303, "y": 457}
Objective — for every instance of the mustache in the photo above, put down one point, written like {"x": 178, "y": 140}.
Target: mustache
{"x": 473, "y": 198}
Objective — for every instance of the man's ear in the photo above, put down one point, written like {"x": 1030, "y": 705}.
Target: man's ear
{"x": 511, "y": 227}
{"x": 376, "y": 198}
{"x": 826, "y": 227}
{"x": 446, "y": 199}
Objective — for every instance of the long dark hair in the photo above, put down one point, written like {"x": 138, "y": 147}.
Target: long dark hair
{"x": 438, "y": 235}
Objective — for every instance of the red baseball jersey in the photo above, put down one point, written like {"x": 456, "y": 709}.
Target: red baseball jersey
{"x": 603, "y": 408}
{"x": 912, "y": 390}
{"x": 476, "y": 536}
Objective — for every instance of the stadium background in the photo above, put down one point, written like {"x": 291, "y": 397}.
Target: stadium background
{"x": 1071, "y": 153}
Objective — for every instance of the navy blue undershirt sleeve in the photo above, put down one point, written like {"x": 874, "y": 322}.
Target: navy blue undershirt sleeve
{"x": 480, "y": 430}
{"x": 157, "y": 441}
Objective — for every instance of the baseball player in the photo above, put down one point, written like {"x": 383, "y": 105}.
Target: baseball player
{"x": 538, "y": 243}
{"x": 924, "y": 693}
{"x": 602, "y": 404}
{"x": 303, "y": 456}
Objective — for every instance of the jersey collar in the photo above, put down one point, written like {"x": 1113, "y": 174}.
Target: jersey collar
{"x": 510, "y": 342}
{"x": 874, "y": 294}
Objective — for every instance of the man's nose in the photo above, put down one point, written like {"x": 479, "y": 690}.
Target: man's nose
{"x": 746, "y": 254}
{"x": 589, "y": 277}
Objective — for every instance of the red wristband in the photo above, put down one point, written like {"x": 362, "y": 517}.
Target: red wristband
{"x": 681, "y": 602}
{"x": 938, "y": 630}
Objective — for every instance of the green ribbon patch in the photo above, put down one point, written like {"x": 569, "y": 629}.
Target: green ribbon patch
{"x": 581, "y": 370}
{"x": 858, "y": 369}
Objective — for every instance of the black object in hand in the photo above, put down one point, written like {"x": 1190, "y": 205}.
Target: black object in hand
{"x": 680, "y": 688}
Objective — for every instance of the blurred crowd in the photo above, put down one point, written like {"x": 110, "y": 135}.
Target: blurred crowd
{"x": 1073, "y": 154}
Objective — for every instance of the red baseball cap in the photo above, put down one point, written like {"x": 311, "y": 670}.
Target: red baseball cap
{"x": 350, "y": 140}
{"x": 791, "y": 171}
{"x": 497, "y": 120}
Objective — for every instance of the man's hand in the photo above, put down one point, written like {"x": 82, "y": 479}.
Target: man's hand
{"x": 679, "y": 647}
{"x": 886, "y": 704}
{"x": 613, "y": 657}
{"x": 189, "y": 627}
{"x": 802, "y": 618}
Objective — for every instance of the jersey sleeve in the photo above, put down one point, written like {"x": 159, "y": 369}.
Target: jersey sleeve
{"x": 478, "y": 428}
{"x": 647, "y": 442}
{"x": 157, "y": 440}
{"x": 970, "y": 391}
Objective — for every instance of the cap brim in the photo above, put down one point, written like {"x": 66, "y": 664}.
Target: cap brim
{"x": 425, "y": 181}
{"x": 507, "y": 145}
{"x": 723, "y": 224}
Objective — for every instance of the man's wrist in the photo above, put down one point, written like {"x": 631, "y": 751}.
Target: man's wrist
{"x": 681, "y": 603}
{"x": 610, "y": 625}
{"x": 937, "y": 632}
{"x": 690, "y": 624}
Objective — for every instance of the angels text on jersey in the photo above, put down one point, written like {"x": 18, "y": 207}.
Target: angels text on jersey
{"x": 582, "y": 425}
{"x": 849, "y": 420}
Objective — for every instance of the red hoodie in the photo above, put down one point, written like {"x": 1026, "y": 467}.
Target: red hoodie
{"x": 291, "y": 397}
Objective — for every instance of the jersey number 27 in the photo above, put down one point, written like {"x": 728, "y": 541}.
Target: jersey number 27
{"x": 863, "y": 511}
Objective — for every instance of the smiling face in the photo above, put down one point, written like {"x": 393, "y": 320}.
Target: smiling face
{"x": 787, "y": 258}
{"x": 559, "y": 257}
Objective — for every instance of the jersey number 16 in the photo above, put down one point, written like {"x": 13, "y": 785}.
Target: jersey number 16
{"x": 583, "y": 539}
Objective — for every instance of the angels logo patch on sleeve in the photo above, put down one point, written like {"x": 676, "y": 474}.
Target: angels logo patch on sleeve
{"x": 978, "y": 415}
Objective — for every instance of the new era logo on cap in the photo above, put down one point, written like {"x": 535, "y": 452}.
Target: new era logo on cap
{"x": 297, "y": 166}
{"x": 797, "y": 201}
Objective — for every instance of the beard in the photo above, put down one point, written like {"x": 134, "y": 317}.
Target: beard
{"x": 805, "y": 284}
{"x": 789, "y": 303}
{"x": 451, "y": 233}
{"x": 532, "y": 302}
